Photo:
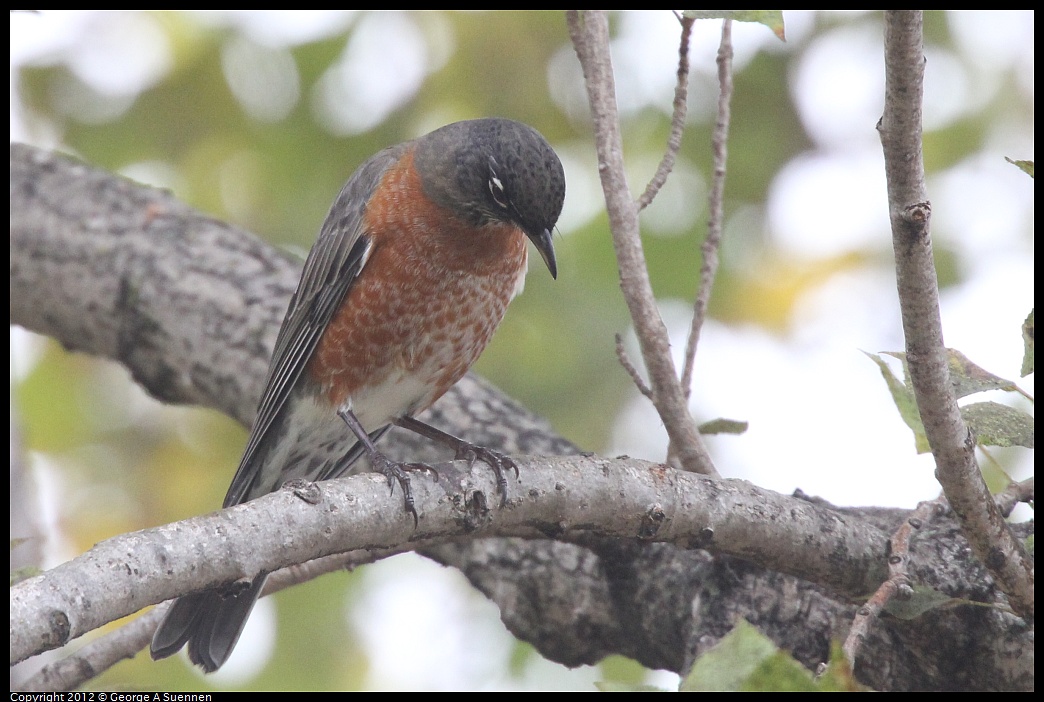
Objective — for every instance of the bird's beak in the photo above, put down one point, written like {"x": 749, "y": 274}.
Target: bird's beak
{"x": 543, "y": 244}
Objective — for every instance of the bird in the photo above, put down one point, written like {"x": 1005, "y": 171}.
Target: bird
{"x": 412, "y": 272}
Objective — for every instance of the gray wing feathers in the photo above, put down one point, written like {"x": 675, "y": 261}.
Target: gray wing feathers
{"x": 210, "y": 622}
{"x": 332, "y": 266}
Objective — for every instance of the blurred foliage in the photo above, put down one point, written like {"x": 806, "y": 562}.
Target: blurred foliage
{"x": 745, "y": 660}
{"x": 262, "y": 130}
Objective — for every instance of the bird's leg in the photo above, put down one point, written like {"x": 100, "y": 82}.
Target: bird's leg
{"x": 465, "y": 450}
{"x": 392, "y": 470}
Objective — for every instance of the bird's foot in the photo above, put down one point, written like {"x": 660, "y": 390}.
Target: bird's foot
{"x": 395, "y": 471}
{"x": 496, "y": 460}
{"x": 466, "y": 451}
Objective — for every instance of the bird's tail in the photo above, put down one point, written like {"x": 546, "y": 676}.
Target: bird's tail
{"x": 209, "y": 622}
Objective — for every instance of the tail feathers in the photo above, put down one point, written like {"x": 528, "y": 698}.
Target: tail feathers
{"x": 209, "y": 622}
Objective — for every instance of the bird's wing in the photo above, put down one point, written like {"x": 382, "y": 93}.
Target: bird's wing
{"x": 332, "y": 266}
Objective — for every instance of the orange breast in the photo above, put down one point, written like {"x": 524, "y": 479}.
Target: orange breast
{"x": 423, "y": 307}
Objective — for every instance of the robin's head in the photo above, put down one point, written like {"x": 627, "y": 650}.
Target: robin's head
{"x": 495, "y": 170}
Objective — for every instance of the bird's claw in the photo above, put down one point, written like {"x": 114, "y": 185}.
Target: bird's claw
{"x": 395, "y": 471}
{"x": 494, "y": 459}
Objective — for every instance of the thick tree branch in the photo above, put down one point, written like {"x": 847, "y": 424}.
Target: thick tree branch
{"x": 105, "y": 651}
{"x": 150, "y": 272}
{"x": 572, "y": 499}
{"x": 952, "y": 445}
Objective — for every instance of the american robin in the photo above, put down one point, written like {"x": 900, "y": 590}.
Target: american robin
{"x": 413, "y": 270}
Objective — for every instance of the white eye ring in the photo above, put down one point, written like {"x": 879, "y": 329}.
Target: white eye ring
{"x": 496, "y": 189}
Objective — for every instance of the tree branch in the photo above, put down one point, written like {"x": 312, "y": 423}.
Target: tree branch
{"x": 105, "y": 651}
{"x": 572, "y": 498}
{"x": 952, "y": 445}
{"x": 590, "y": 35}
{"x": 681, "y": 109}
{"x": 716, "y": 218}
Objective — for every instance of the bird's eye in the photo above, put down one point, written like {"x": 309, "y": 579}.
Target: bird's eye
{"x": 496, "y": 189}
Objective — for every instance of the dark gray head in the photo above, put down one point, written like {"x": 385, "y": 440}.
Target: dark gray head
{"x": 495, "y": 170}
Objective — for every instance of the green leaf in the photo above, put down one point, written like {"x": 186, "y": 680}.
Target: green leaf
{"x": 995, "y": 424}
{"x": 779, "y": 673}
{"x": 623, "y": 674}
{"x": 969, "y": 378}
{"x": 604, "y": 686}
{"x": 773, "y": 19}
{"x": 24, "y": 573}
{"x": 725, "y": 666}
{"x": 966, "y": 376}
{"x": 924, "y": 599}
{"x": 904, "y": 400}
{"x": 724, "y": 426}
{"x": 1025, "y": 166}
{"x": 838, "y": 676}
{"x": 746, "y": 660}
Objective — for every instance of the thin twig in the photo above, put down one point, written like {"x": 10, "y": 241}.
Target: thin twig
{"x": 589, "y": 32}
{"x": 897, "y": 586}
{"x": 681, "y": 106}
{"x": 1012, "y": 495}
{"x": 716, "y": 205}
{"x": 952, "y": 445}
{"x": 625, "y": 361}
